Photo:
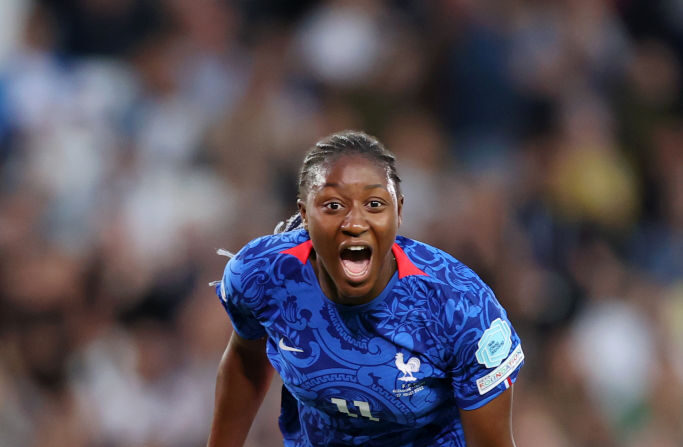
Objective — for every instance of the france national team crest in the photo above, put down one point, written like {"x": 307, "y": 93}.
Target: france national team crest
{"x": 411, "y": 385}
{"x": 407, "y": 368}
{"x": 494, "y": 344}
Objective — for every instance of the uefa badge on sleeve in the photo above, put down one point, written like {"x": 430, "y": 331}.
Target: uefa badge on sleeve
{"x": 495, "y": 344}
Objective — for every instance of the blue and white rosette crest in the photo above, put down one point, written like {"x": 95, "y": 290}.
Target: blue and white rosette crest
{"x": 494, "y": 344}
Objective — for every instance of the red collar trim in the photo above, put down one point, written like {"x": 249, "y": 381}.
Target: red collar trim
{"x": 301, "y": 251}
{"x": 404, "y": 264}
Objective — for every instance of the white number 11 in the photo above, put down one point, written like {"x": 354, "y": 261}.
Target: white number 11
{"x": 364, "y": 408}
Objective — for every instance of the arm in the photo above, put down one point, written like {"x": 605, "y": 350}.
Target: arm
{"x": 244, "y": 376}
{"x": 490, "y": 425}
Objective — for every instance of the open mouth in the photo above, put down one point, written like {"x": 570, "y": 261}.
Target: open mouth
{"x": 355, "y": 260}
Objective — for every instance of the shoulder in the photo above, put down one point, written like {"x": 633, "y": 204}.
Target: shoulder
{"x": 270, "y": 246}
{"x": 457, "y": 296}
{"x": 264, "y": 256}
{"x": 440, "y": 267}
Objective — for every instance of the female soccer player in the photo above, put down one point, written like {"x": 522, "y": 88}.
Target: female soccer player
{"x": 380, "y": 340}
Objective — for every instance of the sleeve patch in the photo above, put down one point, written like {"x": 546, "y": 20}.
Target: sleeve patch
{"x": 502, "y": 372}
{"x": 494, "y": 344}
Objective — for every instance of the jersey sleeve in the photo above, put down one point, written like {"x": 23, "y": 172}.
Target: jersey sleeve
{"x": 239, "y": 299}
{"x": 487, "y": 351}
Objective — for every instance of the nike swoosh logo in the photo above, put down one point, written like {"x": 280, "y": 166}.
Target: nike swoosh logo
{"x": 284, "y": 347}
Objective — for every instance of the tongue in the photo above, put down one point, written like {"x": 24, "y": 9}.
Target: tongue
{"x": 355, "y": 266}
{"x": 355, "y": 262}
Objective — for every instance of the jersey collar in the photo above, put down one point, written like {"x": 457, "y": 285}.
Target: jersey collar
{"x": 405, "y": 266}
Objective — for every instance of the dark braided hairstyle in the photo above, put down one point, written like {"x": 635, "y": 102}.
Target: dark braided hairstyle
{"x": 331, "y": 148}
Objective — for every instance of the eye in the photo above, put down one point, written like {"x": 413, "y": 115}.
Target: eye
{"x": 375, "y": 204}
{"x": 333, "y": 206}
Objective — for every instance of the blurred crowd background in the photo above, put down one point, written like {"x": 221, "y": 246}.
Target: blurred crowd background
{"x": 539, "y": 141}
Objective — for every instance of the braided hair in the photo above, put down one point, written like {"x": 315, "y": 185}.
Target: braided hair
{"x": 327, "y": 151}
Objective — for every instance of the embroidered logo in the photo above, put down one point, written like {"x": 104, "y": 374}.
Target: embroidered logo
{"x": 494, "y": 344}
{"x": 407, "y": 368}
{"x": 409, "y": 388}
{"x": 284, "y": 347}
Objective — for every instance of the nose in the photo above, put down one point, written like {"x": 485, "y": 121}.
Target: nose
{"x": 354, "y": 223}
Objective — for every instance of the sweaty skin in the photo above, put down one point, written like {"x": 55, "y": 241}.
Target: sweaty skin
{"x": 355, "y": 206}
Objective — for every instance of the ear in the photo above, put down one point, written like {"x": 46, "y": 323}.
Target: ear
{"x": 400, "y": 210}
{"x": 302, "y": 210}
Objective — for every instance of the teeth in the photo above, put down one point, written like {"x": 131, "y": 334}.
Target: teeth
{"x": 355, "y": 248}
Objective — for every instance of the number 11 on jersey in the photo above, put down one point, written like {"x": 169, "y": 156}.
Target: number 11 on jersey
{"x": 364, "y": 408}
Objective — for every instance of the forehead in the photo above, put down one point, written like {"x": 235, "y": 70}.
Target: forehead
{"x": 351, "y": 170}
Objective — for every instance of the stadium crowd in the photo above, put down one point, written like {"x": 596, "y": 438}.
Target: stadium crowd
{"x": 540, "y": 142}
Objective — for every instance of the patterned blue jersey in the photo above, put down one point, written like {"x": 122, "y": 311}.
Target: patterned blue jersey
{"x": 391, "y": 372}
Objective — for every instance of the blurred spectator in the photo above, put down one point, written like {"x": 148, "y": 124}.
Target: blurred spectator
{"x": 540, "y": 143}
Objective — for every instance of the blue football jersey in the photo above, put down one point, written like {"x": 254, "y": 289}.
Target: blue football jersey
{"x": 391, "y": 372}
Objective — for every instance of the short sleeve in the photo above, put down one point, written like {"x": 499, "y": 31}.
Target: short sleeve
{"x": 488, "y": 353}
{"x": 238, "y": 300}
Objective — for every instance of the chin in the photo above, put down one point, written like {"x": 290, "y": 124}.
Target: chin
{"x": 358, "y": 294}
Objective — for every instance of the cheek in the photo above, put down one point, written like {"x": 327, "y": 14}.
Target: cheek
{"x": 393, "y": 219}
{"x": 320, "y": 225}
{"x": 388, "y": 226}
